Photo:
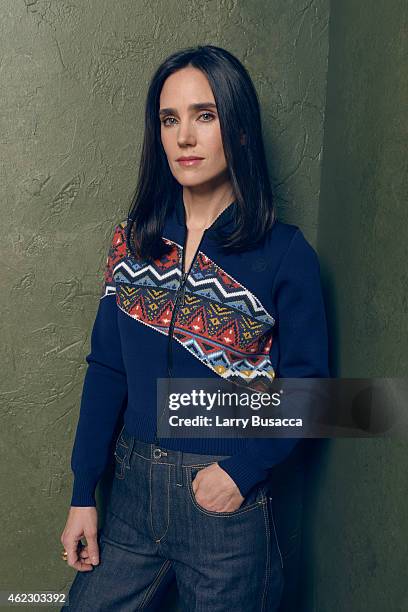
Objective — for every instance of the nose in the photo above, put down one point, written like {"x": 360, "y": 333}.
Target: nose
{"x": 186, "y": 135}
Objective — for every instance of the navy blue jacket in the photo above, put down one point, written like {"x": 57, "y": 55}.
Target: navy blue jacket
{"x": 253, "y": 315}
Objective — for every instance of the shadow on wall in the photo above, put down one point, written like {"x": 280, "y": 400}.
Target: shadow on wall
{"x": 315, "y": 455}
{"x": 288, "y": 483}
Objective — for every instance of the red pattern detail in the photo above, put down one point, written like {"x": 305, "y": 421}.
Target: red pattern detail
{"x": 117, "y": 251}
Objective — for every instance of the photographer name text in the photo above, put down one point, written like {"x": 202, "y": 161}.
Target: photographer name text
{"x": 217, "y": 421}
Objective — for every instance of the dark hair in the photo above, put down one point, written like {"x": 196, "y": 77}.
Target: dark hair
{"x": 238, "y": 110}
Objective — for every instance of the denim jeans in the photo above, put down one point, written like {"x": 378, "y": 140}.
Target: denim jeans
{"x": 222, "y": 561}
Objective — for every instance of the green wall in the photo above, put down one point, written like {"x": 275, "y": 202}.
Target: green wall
{"x": 356, "y": 527}
{"x": 74, "y": 77}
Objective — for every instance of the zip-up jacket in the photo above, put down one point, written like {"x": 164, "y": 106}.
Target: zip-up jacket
{"x": 256, "y": 314}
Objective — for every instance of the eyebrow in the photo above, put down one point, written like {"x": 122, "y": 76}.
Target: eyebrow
{"x": 196, "y": 106}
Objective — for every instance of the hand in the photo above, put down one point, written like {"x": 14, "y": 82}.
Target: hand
{"x": 81, "y": 522}
{"x": 215, "y": 490}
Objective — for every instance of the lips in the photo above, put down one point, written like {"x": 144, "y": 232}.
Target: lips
{"x": 189, "y": 161}
{"x": 187, "y": 158}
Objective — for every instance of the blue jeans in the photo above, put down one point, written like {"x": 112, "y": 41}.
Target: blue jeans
{"x": 222, "y": 561}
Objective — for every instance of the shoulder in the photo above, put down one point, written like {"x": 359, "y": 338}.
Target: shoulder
{"x": 285, "y": 237}
{"x": 118, "y": 248}
{"x": 291, "y": 249}
{"x": 283, "y": 232}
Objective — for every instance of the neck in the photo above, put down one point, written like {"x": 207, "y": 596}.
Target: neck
{"x": 203, "y": 208}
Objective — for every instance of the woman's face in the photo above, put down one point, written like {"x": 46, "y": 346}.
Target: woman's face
{"x": 187, "y": 130}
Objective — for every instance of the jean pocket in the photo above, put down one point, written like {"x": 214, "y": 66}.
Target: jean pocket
{"x": 255, "y": 498}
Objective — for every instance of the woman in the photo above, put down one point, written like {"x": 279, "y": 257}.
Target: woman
{"x": 201, "y": 281}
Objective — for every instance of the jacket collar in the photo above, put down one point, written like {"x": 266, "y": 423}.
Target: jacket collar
{"x": 224, "y": 222}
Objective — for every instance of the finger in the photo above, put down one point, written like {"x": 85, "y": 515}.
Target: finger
{"x": 93, "y": 548}
{"x": 84, "y": 556}
{"x": 75, "y": 561}
{"x": 72, "y": 551}
{"x": 83, "y": 567}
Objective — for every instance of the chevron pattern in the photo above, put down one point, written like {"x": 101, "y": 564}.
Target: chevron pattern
{"x": 220, "y": 322}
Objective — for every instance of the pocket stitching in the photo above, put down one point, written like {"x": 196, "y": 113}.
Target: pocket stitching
{"x": 121, "y": 441}
{"x": 119, "y": 463}
{"x": 275, "y": 531}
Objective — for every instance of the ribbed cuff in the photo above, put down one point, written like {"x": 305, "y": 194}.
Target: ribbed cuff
{"x": 245, "y": 476}
{"x": 83, "y": 490}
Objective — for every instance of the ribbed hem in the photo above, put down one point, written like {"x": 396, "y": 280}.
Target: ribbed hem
{"x": 83, "y": 490}
{"x": 245, "y": 476}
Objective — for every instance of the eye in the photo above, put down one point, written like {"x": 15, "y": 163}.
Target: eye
{"x": 208, "y": 115}
{"x": 166, "y": 119}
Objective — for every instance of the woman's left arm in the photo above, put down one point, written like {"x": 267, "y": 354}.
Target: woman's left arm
{"x": 301, "y": 351}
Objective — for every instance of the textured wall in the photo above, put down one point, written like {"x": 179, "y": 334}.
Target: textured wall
{"x": 73, "y": 82}
{"x": 355, "y": 552}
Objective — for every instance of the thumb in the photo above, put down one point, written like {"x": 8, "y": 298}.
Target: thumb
{"x": 93, "y": 549}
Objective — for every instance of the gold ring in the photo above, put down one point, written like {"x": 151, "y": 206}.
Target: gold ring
{"x": 64, "y": 555}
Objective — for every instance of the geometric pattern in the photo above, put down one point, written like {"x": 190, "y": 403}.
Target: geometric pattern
{"x": 219, "y": 321}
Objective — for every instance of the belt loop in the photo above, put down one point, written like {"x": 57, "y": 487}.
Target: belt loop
{"x": 131, "y": 443}
{"x": 179, "y": 468}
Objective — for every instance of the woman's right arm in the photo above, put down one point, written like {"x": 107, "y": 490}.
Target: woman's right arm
{"x": 104, "y": 392}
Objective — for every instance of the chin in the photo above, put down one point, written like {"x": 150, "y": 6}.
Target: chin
{"x": 192, "y": 181}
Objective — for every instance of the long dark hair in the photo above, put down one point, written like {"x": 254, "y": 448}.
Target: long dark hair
{"x": 238, "y": 110}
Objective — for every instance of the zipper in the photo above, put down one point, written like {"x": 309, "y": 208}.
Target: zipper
{"x": 178, "y": 301}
